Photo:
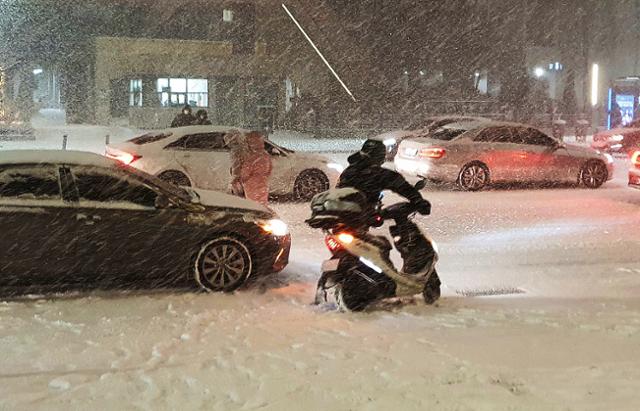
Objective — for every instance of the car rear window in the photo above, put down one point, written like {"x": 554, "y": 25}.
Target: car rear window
{"x": 447, "y": 134}
{"x": 149, "y": 138}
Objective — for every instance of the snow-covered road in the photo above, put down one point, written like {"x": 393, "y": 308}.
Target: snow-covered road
{"x": 569, "y": 340}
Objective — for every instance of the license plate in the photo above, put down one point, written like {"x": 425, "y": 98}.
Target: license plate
{"x": 330, "y": 265}
{"x": 410, "y": 152}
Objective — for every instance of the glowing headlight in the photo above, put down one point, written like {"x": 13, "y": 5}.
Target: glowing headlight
{"x": 615, "y": 146}
{"x": 389, "y": 142}
{"x": 276, "y": 227}
{"x": 609, "y": 157}
{"x": 617, "y": 137}
{"x": 335, "y": 166}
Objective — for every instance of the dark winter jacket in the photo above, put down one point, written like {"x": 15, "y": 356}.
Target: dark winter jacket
{"x": 183, "y": 120}
{"x": 372, "y": 179}
{"x": 202, "y": 122}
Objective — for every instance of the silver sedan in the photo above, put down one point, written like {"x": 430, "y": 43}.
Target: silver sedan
{"x": 474, "y": 154}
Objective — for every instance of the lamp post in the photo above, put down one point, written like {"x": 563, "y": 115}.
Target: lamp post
{"x": 595, "y": 83}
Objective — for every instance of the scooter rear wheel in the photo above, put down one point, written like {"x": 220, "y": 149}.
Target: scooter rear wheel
{"x": 431, "y": 291}
{"x": 355, "y": 293}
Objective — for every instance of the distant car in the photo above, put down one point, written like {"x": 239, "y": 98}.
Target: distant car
{"x": 198, "y": 156}
{"x": 79, "y": 219}
{"x": 634, "y": 171}
{"x": 476, "y": 154}
{"x": 392, "y": 139}
{"x": 623, "y": 141}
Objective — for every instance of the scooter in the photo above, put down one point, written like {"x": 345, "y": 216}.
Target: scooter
{"x": 360, "y": 271}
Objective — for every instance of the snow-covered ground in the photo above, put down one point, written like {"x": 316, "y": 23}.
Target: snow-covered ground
{"x": 563, "y": 333}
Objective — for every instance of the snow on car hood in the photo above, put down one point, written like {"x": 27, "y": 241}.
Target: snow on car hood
{"x": 211, "y": 198}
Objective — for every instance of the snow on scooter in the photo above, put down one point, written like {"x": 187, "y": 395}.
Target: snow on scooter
{"x": 360, "y": 271}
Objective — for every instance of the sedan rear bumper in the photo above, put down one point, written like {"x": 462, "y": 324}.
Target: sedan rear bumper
{"x": 427, "y": 168}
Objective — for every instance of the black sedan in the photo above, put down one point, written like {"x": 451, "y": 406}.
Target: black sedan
{"x": 79, "y": 219}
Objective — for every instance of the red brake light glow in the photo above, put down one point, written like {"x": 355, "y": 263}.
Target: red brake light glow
{"x": 433, "y": 152}
{"x": 332, "y": 244}
{"x": 121, "y": 156}
{"x": 635, "y": 159}
{"x": 335, "y": 243}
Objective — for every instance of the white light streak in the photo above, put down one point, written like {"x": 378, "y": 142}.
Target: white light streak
{"x": 595, "y": 73}
{"x": 304, "y": 33}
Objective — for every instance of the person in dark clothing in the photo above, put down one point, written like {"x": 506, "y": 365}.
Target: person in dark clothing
{"x": 366, "y": 174}
{"x": 202, "y": 118}
{"x": 185, "y": 118}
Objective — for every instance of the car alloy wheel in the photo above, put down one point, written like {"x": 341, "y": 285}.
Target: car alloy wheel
{"x": 309, "y": 183}
{"x": 474, "y": 177}
{"x": 223, "y": 264}
{"x": 594, "y": 174}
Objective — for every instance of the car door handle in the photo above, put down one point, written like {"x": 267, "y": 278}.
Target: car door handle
{"x": 88, "y": 219}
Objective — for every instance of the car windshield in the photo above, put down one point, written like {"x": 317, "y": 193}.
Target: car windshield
{"x": 171, "y": 189}
{"x": 446, "y": 133}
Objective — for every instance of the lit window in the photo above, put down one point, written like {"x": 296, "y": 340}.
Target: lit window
{"x": 227, "y": 15}
{"x": 135, "y": 93}
{"x": 181, "y": 91}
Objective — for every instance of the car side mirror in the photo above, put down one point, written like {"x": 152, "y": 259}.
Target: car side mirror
{"x": 162, "y": 202}
{"x": 420, "y": 185}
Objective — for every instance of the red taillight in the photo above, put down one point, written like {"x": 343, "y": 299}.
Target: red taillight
{"x": 123, "y": 157}
{"x": 332, "y": 244}
{"x": 335, "y": 243}
{"x": 432, "y": 152}
{"x": 635, "y": 159}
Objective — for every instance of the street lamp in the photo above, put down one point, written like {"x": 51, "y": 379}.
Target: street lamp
{"x": 595, "y": 73}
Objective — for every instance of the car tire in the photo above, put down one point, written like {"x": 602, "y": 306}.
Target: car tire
{"x": 593, "y": 174}
{"x": 175, "y": 177}
{"x": 223, "y": 264}
{"x": 309, "y": 183}
{"x": 474, "y": 176}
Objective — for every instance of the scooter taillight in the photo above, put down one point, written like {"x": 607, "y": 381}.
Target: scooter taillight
{"x": 336, "y": 243}
{"x": 332, "y": 244}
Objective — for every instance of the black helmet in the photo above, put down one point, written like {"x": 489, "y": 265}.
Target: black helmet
{"x": 201, "y": 113}
{"x": 373, "y": 152}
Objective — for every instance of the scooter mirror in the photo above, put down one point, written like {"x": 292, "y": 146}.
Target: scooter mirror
{"x": 421, "y": 184}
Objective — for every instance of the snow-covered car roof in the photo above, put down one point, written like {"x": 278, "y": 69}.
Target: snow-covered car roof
{"x": 464, "y": 125}
{"x": 82, "y": 158}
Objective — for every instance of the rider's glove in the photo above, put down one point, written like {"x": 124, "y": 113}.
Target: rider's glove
{"x": 423, "y": 207}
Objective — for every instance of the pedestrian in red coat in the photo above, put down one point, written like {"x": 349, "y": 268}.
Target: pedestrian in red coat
{"x": 255, "y": 169}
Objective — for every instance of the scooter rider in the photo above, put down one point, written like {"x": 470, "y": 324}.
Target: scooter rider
{"x": 366, "y": 174}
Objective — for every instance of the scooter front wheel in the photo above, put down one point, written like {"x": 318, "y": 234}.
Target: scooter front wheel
{"x": 431, "y": 291}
